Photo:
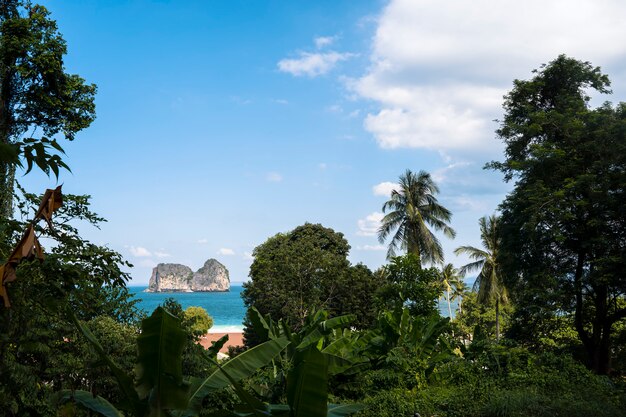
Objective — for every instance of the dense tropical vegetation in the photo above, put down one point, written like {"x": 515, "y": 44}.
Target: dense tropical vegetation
{"x": 547, "y": 315}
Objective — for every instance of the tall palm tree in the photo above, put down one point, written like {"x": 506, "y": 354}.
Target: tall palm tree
{"x": 449, "y": 274}
{"x": 410, "y": 210}
{"x": 459, "y": 288}
{"x": 489, "y": 281}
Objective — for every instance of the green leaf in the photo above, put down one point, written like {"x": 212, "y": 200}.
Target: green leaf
{"x": 216, "y": 346}
{"x": 124, "y": 381}
{"x": 325, "y": 328}
{"x": 307, "y": 384}
{"x": 159, "y": 367}
{"x": 238, "y": 368}
{"x": 87, "y": 400}
{"x": 259, "y": 324}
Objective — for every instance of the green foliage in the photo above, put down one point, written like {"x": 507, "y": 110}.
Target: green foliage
{"x": 36, "y": 92}
{"x": 407, "y": 284}
{"x": 317, "y": 351}
{"x": 563, "y": 224}
{"x": 307, "y": 269}
{"x": 199, "y": 320}
{"x": 75, "y": 274}
{"x": 160, "y": 387}
{"x": 410, "y": 210}
{"x": 499, "y": 381}
{"x": 193, "y": 363}
{"x": 476, "y": 316}
{"x": 489, "y": 283}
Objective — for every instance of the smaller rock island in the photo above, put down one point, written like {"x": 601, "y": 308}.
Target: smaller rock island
{"x": 213, "y": 276}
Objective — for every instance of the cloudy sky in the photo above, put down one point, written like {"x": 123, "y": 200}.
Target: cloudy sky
{"x": 222, "y": 123}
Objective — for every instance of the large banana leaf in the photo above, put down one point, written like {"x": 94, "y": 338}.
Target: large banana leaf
{"x": 323, "y": 328}
{"x": 307, "y": 384}
{"x": 159, "y": 361}
{"x": 87, "y": 400}
{"x": 238, "y": 368}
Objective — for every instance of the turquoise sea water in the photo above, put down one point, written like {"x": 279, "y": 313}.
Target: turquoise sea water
{"x": 226, "y": 308}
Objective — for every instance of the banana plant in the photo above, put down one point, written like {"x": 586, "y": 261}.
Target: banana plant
{"x": 159, "y": 388}
{"x": 422, "y": 336}
{"x": 320, "y": 349}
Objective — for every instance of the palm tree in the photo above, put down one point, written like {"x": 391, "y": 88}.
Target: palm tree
{"x": 449, "y": 274}
{"x": 489, "y": 281}
{"x": 459, "y": 288}
{"x": 409, "y": 210}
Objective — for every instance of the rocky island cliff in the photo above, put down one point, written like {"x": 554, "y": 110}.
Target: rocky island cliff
{"x": 213, "y": 276}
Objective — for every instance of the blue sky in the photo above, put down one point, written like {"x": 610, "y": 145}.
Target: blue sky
{"x": 222, "y": 123}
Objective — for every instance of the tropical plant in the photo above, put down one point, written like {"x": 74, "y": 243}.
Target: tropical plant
{"x": 488, "y": 284}
{"x": 304, "y": 270}
{"x": 410, "y": 210}
{"x": 317, "y": 351}
{"x": 459, "y": 288}
{"x": 449, "y": 276}
{"x": 407, "y": 284}
{"x": 563, "y": 223}
{"x": 160, "y": 388}
{"x": 37, "y": 95}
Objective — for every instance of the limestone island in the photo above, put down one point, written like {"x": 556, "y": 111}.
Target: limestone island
{"x": 213, "y": 276}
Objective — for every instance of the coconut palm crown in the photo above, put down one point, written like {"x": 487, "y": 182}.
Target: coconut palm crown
{"x": 410, "y": 210}
{"x": 488, "y": 283}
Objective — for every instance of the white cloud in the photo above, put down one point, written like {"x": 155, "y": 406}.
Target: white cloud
{"x": 442, "y": 174}
{"x": 147, "y": 263}
{"x": 370, "y": 224}
{"x": 248, "y": 256}
{"x": 384, "y": 188}
{"x": 280, "y": 101}
{"x": 312, "y": 64}
{"x": 203, "y": 241}
{"x": 162, "y": 254}
{"x": 323, "y": 41}
{"x": 467, "y": 203}
{"x": 274, "y": 177}
{"x": 140, "y": 252}
{"x": 226, "y": 252}
{"x": 371, "y": 247}
{"x": 335, "y": 108}
{"x": 439, "y": 69}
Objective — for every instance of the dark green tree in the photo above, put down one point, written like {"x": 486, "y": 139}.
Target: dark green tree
{"x": 40, "y": 350}
{"x": 410, "y": 211}
{"x": 489, "y": 283}
{"x": 406, "y": 284}
{"x": 296, "y": 273}
{"x": 564, "y": 223}
{"x": 39, "y": 101}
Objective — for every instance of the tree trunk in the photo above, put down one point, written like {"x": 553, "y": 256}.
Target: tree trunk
{"x": 7, "y": 170}
{"x": 448, "y": 299}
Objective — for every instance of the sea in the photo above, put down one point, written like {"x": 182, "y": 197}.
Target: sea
{"x": 226, "y": 308}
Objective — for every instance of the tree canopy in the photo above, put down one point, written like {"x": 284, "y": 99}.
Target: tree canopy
{"x": 489, "y": 283}
{"x": 409, "y": 211}
{"x": 39, "y": 100}
{"x": 296, "y": 273}
{"x": 564, "y": 224}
